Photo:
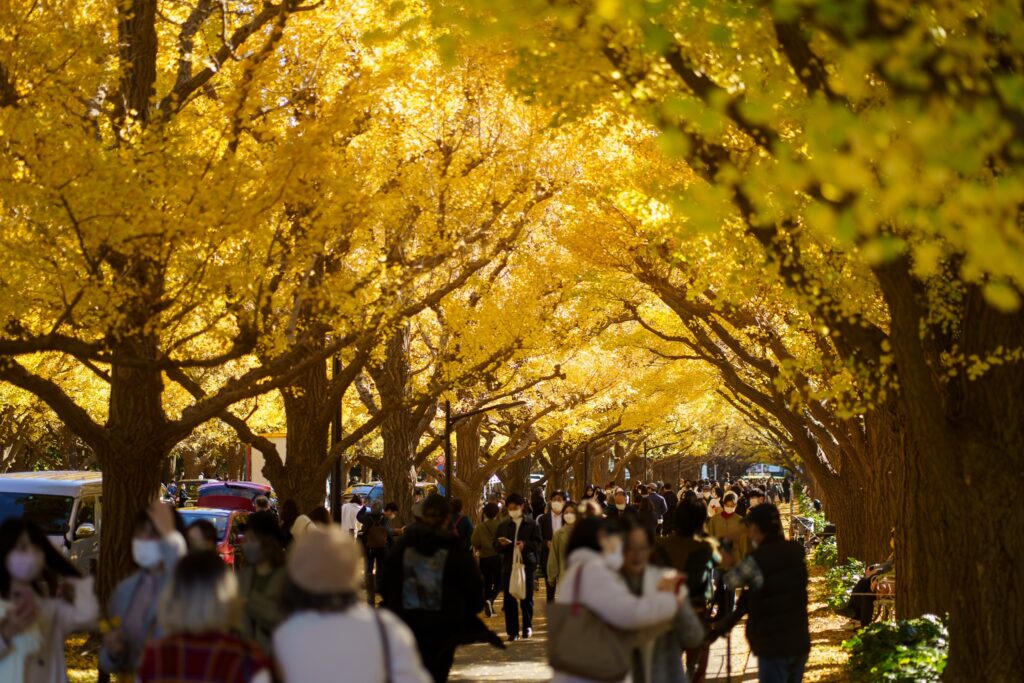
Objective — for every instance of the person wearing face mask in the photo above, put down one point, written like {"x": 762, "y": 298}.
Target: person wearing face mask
{"x": 619, "y": 507}
{"x": 550, "y": 522}
{"x": 261, "y": 580}
{"x": 157, "y": 546}
{"x": 557, "y": 554}
{"x": 658, "y": 653}
{"x": 731, "y": 533}
{"x": 523, "y": 533}
{"x": 34, "y": 625}
{"x": 592, "y": 579}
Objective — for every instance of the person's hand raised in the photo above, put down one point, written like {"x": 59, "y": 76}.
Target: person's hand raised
{"x": 162, "y": 516}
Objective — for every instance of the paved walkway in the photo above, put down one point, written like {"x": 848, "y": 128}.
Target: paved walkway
{"x": 523, "y": 660}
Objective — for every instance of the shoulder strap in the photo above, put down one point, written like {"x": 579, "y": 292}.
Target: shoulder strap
{"x": 385, "y": 646}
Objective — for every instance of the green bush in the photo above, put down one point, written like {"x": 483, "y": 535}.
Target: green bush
{"x": 807, "y": 510}
{"x": 840, "y": 580}
{"x": 825, "y": 554}
{"x": 911, "y": 651}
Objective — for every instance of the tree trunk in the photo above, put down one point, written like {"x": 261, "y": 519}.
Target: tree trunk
{"x": 304, "y": 475}
{"x": 399, "y": 429}
{"x": 516, "y": 477}
{"x": 467, "y": 465}
{"x": 960, "y": 547}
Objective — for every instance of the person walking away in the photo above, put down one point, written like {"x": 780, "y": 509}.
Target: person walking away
{"x": 350, "y": 515}
{"x": 671, "y": 503}
{"x": 462, "y": 527}
{"x": 689, "y": 552}
{"x": 537, "y": 504}
{"x": 728, "y": 529}
{"x": 132, "y": 609}
{"x": 522, "y": 533}
{"x": 34, "y": 625}
{"x": 787, "y": 488}
{"x": 550, "y": 522}
{"x": 328, "y": 634}
{"x": 658, "y": 653}
{"x": 262, "y": 504}
{"x": 646, "y": 515}
{"x": 377, "y": 537}
{"x": 432, "y": 583}
{"x": 775, "y": 576}
{"x": 261, "y": 580}
{"x": 484, "y": 536}
{"x": 558, "y": 553}
{"x": 659, "y": 504}
{"x": 196, "y": 614}
{"x": 592, "y": 579}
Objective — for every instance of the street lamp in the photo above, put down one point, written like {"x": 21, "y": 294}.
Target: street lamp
{"x": 335, "y": 439}
{"x": 449, "y": 422}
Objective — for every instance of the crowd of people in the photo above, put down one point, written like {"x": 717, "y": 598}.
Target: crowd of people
{"x": 383, "y": 602}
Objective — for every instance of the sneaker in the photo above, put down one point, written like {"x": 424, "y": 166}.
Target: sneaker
{"x": 488, "y": 608}
{"x": 513, "y": 637}
{"x": 528, "y": 633}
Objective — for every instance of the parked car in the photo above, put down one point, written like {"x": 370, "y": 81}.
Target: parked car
{"x": 374, "y": 490}
{"x": 66, "y": 505}
{"x": 233, "y": 495}
{"x": 227, "y": 523}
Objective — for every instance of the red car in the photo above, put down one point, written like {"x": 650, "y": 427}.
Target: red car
{"x": 227, "y": 522}
{"x": 232, "y": 495}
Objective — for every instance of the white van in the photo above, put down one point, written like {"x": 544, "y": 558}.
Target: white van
{"x": 66, "y": 505}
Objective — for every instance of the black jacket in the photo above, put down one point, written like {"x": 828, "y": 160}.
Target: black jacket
{"x": 462, "y": 590}
{"x": 529, "y": 534}
{"x": 777, "y": 617}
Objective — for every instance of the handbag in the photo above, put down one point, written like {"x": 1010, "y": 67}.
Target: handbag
{"x": 517, "y": 581}
{"x": 385, "y": 646}
{"x": 581, "y": 644}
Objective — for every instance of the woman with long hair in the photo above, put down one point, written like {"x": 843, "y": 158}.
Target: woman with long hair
{"x": 43, "y": 598}
{"x": 198, "y": 614}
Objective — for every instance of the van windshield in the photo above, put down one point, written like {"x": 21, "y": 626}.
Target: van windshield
{"x": 52, "y": 513}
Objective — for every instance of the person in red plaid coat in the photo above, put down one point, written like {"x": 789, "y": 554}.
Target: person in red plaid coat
{"x": 197, "y": 613}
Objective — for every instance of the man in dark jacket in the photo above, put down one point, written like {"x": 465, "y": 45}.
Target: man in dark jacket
{"x": 518, "y": 531}
{"x": 618, "y": 507}
{"x": 672, "y": 501}
{"x": 550, "y": 522}
{"x": 433, "y": 584}
{"x": 775, "y": 575}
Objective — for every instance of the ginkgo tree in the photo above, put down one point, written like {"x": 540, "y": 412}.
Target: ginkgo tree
{"x": 882, "y": 134}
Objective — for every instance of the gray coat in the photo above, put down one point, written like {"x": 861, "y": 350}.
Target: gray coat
{"x": 173, "y": 548}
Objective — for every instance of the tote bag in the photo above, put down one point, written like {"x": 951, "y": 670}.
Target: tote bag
{"x": 581, "y": 644}
{"x": 517, "y": 582}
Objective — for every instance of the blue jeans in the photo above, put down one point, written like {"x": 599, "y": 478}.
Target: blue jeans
{"x": 781, "y": 670}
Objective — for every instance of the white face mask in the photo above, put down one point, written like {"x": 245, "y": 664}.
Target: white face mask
{"x": 614, "y": 558}
{"x": 570, "y": 517}
{"x": 515, "y": 514}
{"x": 557, "y": 506}
{"x": 146, "y": 553}
{"x": 707, "y": 495}
{"x": 24, "y": 565}
{"x": 620, "y": 506}
{"x": 730, "y": 509}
